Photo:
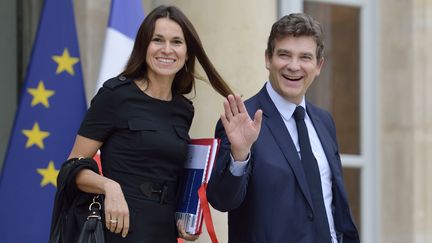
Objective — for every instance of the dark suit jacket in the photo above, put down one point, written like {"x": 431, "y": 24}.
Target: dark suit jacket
{"x": 271, "y": 203}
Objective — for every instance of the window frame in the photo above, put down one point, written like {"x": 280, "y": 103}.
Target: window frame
{"x": 367, "y": 160}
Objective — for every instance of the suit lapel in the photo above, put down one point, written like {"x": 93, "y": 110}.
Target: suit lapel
{"x": 324, "y": 136}
{"x": 280, "y": 133}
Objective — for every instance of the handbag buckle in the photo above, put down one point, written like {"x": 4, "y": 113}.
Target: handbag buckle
{"x": 95, "y": 203}
{"x": 94, "y": 209}
{"x": 99, "y": 206}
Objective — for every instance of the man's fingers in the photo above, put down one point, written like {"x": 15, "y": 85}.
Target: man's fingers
{"x": 227, "y": 109}
{"x": 233, "y": 105}
{"x": 240, "y": 104}
{"x": 258, "y": 118}
{"x": 224, "y": 120}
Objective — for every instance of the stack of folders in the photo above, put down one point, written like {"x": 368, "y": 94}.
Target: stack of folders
{"x": 197, "y": 171}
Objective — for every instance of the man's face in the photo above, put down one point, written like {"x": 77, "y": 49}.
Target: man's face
{"x": 293, "y": 66}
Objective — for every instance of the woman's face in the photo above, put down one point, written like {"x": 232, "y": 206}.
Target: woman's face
{"x": 167, "y": 51}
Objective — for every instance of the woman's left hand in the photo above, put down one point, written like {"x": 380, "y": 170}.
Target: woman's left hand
{"x": 183, "y": 234}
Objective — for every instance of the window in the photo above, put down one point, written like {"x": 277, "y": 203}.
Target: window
{"x": 337, "y": 89}
{"x": 346, "y": 87}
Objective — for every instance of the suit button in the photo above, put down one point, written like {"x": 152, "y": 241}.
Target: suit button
{"x": 310, "y": 216}
{"x": 122, "y": 78}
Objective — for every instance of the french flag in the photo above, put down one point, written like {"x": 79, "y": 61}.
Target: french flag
{"x": 125, "y": 18}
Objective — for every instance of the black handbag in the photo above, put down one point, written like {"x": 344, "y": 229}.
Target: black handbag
{"x": 72, "y": 216}
{"x": 92, "y": 230}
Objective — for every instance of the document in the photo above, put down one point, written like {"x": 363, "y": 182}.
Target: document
{"x": 197, "y": 171}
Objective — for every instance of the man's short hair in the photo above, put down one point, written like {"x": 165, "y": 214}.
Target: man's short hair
{"x": 296, "y": 24}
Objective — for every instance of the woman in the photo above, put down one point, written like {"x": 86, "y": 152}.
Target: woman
{"x": 140, "y": 122}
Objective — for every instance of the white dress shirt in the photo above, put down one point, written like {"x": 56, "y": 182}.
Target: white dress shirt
{"x": 286, "y": 110}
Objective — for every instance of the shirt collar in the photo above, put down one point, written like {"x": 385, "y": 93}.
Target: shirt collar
{"x": 285, "y": 108}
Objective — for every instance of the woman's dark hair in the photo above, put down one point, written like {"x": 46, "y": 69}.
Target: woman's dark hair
{"x": 184, "y": 80}
{"x": 296, "y": 24}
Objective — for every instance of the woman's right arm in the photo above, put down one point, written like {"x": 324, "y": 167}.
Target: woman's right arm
{"x": 116, "y": 208}
{"x": 87, "y": 180}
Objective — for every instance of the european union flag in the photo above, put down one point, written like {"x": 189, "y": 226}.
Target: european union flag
{"x": 51, "y": 108}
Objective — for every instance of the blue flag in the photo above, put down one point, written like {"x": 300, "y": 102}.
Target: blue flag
{"x": 125, "y": 18}
{"x": 51, "y": 108}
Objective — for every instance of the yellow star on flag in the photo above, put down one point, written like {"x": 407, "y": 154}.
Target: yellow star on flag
{"x": 35, "y": 136}
{"x": 40, "y": 95}
{"x": 49, "y": 174}
{"x": 65, "y": 62}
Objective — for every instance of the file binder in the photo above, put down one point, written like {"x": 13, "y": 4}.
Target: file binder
{"x": 197, "y": 172}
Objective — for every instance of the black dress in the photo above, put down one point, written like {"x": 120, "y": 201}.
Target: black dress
{"x": 144, "y": 150}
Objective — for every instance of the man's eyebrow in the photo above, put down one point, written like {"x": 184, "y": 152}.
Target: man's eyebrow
{"x": 282, "y": 51}
{"x": 307, "y": 54}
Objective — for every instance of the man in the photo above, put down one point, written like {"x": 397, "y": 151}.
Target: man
{"x": 279, "y": 175}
